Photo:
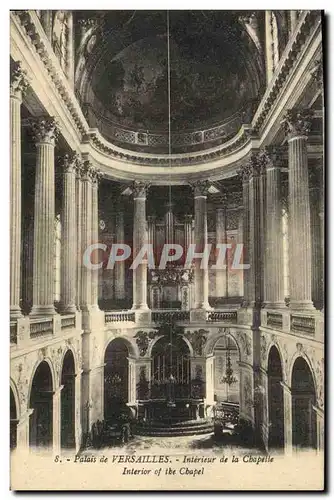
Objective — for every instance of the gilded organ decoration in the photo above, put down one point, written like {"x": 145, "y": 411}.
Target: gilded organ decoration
{"x": 197, "y": 339}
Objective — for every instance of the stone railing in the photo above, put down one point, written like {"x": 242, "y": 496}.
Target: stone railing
{"x": 13, "y": 332}
{"x": 297, "y": 323}
{"x": 302, "y": 324}
{"x": 40, "y": 327}
{"x": 275, "y": 320}
{"x": 222, "y": 316}
{"x": 170, "y": 315}
{"x": 67, "y": 321}
{"x": 118, "y": 316}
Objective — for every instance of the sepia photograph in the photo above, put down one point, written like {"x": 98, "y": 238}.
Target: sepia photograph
{"x": 167, "y": 250}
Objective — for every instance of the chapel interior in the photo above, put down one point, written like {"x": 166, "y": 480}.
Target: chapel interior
{"x": 154, "y": 127}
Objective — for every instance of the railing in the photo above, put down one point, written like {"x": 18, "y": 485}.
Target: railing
{"x": 222, "y": 316}
{"x": 171, "y": 315}
{"x": 120, "y": 316}
{"x": 13, "y": 332}
{"x": 40, "y": 327}
{"x": 67, "y": 321}
{"x": 302, "y": 324}
{"x": 275, "y": 320}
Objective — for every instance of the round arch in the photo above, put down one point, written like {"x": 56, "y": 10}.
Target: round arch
{"x": 212, "y": 341}
{"x": 14, "y": 414}
{"x": 67, "y": 400}
{"x": 303, "y": 394}
{"x": 41, "y": 402}
{"x": 278, "y": 347}
{"x": 301, "y": 354}
{"x": 16, "y": 397}
{"x": 116, "y": 377}
{"x": 132, "y": 347}
{"x": 33, "y": 373}
{"x": 275, "y": 398}
{"x": 75, "y": 360}
{"x": 226, "y": 369}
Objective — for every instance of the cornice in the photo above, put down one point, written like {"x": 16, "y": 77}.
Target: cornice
{"x": 307, "y": 21}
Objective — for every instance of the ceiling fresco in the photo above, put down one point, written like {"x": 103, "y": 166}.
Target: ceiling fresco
{"x": 214, "y": 70}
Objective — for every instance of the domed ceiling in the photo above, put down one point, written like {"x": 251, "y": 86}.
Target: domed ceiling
{"x": 215, "y": 75}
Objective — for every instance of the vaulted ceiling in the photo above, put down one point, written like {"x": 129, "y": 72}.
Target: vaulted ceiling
{"x": 216, "y": 69}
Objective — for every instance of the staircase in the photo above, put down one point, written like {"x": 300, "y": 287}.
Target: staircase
{"x": 173, "y": 429}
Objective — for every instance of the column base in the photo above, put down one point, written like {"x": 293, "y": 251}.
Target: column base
{"x": 301, "y": 305}
{"x": 43, "y": 311}
{"x": 198, "y": 315}
{"x": 71, "y": 309}
{"x": 274, "y": 305}
{"x": 15, "y": 312}
{"x": 142, "y": 315}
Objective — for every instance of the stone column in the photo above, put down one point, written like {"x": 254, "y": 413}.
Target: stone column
{"x": 69, "y": 235}
{"x": 45, "y": 132}
{"x": 287, "y": 418}
{"x": 209, "y": 380}
{"x": 86, "y": 233}
{"x": 132, "y": 380}
{"x": 18, "y": 85}
{"x": 120, "y": 266}
{"x": 139, "y": 239}
{"x": 78, "y": 201}
{"x": 188, "y": 221}
{"x": 255, "y": 288}
{"x": 22, "y": 431}
{"x": 244, "y": 174}
{"x": 298, "y": 124}
{"x": 201, "y": 238}
{"x": 221, "y": 274}
{"x": 317, "y": 266}
{"x": 273, "y": 271}
{"x": 96, "y": 176}
{"x": 56, "y": 420}
{"x": 240, "y": 241}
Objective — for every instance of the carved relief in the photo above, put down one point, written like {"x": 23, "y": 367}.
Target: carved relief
{"x": 245, "y": 344}
{"x": 143, "y": 340}
{"x": 197, "y": 340}
{"x": 263, "y": 348}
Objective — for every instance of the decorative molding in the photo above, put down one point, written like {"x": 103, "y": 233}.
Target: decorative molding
{"x": 308, "y": 20}
{"x": 143, "y": 340}
{"x": 275, "y": 156}
{"x": 200, "y": 188}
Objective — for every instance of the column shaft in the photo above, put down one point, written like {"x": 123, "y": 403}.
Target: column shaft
{"x": 17, "y": 86}
{"x": 298, "y": 124}
{"x": 201, "y": 238}
{"x": 86, "y": 235}
{"x": 273, "y": 275}
{"x": 245, "y": 228}
{"x": 120, "y": 266}
{"x": 69, "y": 237}
{"x": 139, "y": 239}
{"x": 44, "y": 219}
{"x": 221, "y": 275}
{"x": 78, "y": 200}
{"x": 254, "y": 237}
{"x": 95, "y": 235}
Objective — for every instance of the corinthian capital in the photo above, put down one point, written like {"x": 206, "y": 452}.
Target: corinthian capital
{"x": 298, "y": 122}
{"x": 96, "y": 176}
{"x": 274, "y": 156}
{"x": 18, "y": 79}
{"x": 45, "y": 130}
{"x": 70, "y": 161}
{"x": 201, "y": 188}
{"x": 244, "y": 172}
{"x": 139, "y": 189}
{"x": 87, "y": 171}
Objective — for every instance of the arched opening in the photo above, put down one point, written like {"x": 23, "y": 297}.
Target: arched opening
{"x": 116, "y": 369}
{"x": 13, "y": 421}
{"x": 226, "y": 371}
{"x": 304, "y": 433}
{"x": 41, "y": 402}
{"x": 67, "y": 409}
{"x": 275, "y": 400}
{"x": 170, "y": 369}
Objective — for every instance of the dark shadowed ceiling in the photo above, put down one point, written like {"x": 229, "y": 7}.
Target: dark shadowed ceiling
{"x": 215, "y": 69}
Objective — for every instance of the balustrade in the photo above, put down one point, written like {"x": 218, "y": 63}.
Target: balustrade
{"x": 275, "y": 320}
{"x": 222, "y": 316}
{"x": 120, "y": 316}
{"x": 68, "y": 321}
{"x": 302, "y": 324}
{"x": 171, "y": 315}
{"x": 13, "y": 332}
{"x": 40, "y": 327}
